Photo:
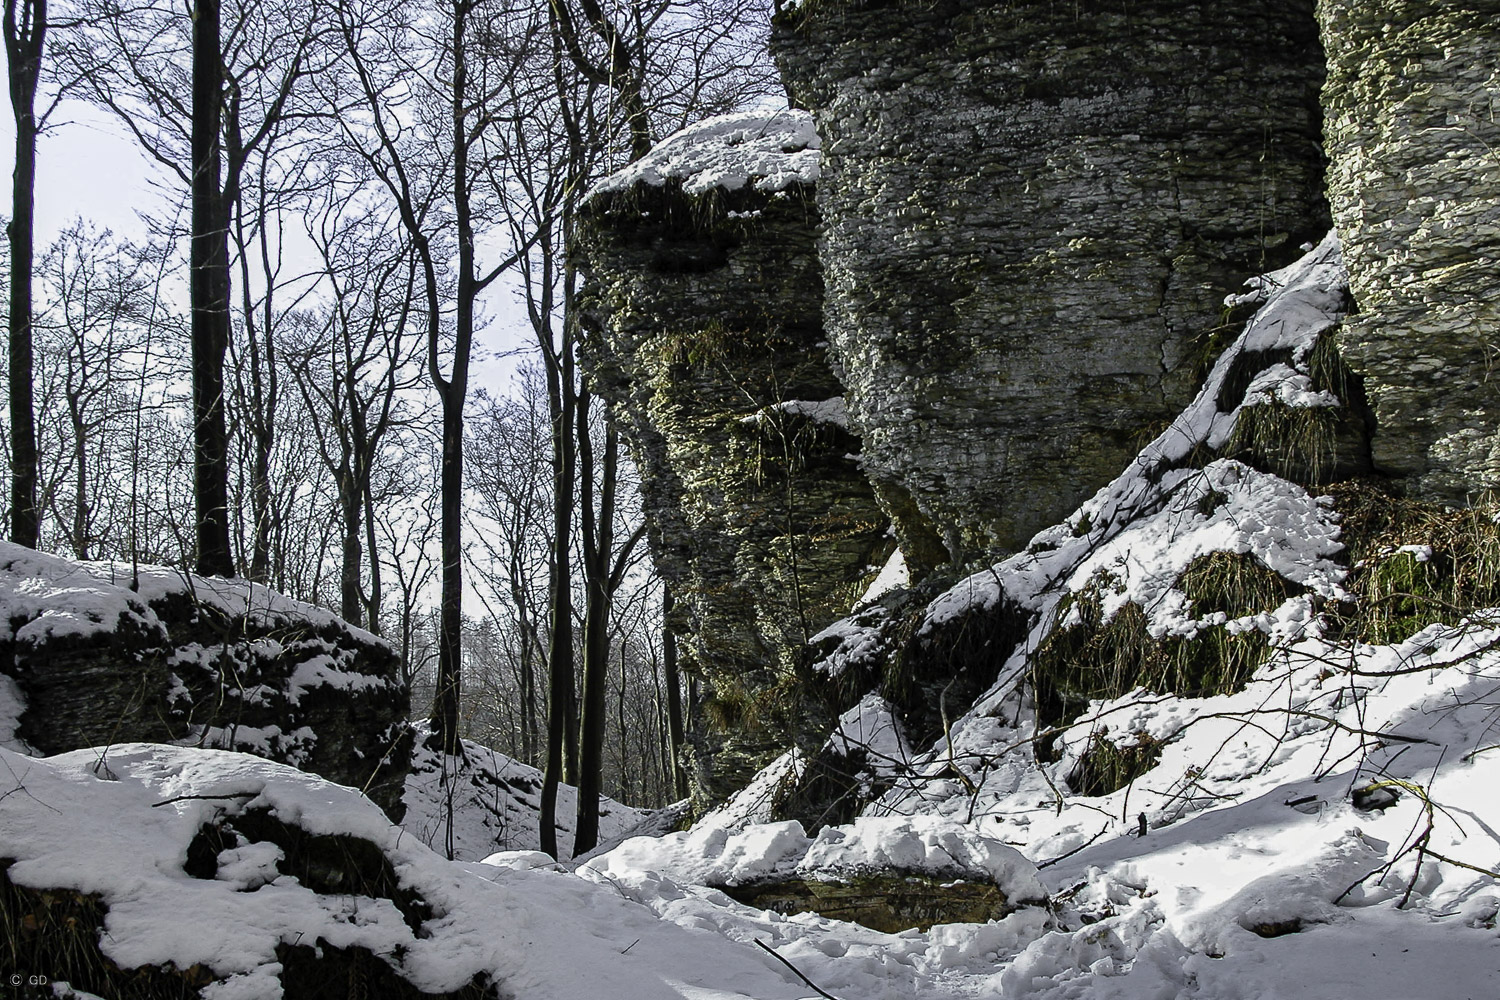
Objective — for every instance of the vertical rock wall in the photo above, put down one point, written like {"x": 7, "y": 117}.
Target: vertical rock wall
{"x": 704, "y": 307}
{"x": 1413, "y": 110}
{"x": 1032, "y": 212}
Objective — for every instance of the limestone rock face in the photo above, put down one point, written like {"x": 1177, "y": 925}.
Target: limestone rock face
{"x": 218, "y": 663}
{"x": 1032, "y": 212}
{"x": 704, "y": 309}
{"x": 1413, "y": 131}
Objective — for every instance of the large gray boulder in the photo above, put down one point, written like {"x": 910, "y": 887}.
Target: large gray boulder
{"x": 704, "y": 311}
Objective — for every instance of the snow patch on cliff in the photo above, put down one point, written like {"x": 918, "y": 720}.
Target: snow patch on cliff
{"x": 767, "y": 150}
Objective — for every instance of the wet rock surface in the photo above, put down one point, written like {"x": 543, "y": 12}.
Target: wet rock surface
{"x": 888, "y": 901}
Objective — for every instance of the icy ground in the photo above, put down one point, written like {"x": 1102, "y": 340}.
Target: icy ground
{"x": 1243, "y": 866}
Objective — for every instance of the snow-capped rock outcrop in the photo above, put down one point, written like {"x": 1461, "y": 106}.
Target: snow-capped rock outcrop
{"x": 706, "y": 338}
{"x": 1031, "y": 214}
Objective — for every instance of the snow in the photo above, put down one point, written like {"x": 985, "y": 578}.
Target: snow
{"x": 892, "y": 576}
{"x": 870, "y": 729}
{"x": 57, "y": 597}
{"x": 768, "y": 150}
{"x": 752, "y": 804}
{"x": 820, "y": 411}
{"x": 540, "y": 934}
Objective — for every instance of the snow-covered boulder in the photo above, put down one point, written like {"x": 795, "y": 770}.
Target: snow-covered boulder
{"x": 93, "y": 654}
{"x": 181, "y": 872}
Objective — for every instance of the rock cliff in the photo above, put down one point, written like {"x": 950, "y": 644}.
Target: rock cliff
{"x": 1032, "y": 213}
{"x": 1413, "y": 122}
{"x": 1032, "y": 224}
{"x": 704, "y": 312}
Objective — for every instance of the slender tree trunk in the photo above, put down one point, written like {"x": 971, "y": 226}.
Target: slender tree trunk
{"x": 598, "y": 545}
{"x": 452, "y": 392}
{"x": 260, "y": 504}
{"x": 373, "y": 604}
{"x": 351, "y": 599}
{"x": 560, "y": 642}
{"x": 674, "y": 693}
{"x": 80, "y": 480}
{"x": 446, "y": 706}
{"x": 260, "y": 415}
{"x": 208, "y": 287}
{"x": 24, "y": 42}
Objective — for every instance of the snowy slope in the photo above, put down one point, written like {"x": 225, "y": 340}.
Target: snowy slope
{"x": 495, "y": 801}
{"x": 1241, "y": 866}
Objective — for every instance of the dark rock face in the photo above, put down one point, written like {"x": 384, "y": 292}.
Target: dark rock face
{"x": 1413, "y": 108}
{"x": 704, "y": 308}
{"x": 1032, "y": 212}
{"x": 219, "y": 663}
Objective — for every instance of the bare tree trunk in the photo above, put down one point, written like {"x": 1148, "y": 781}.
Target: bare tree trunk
{"x": 560, "y": 644}
{"x": 351, "y": 598}
{"x": 25, "y": 39}
{"x": 598, "y": 544}
{"x": 373, "y": 602}
{"x": 674, "y": 693}
{"x": 208, "y": 287}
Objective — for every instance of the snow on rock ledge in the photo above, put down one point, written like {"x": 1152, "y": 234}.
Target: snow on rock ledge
{"x": 769, "y": 150}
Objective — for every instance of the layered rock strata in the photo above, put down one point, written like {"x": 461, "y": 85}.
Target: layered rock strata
{"x": 704, "y": 311}
{"x": 1413, "y": 125}
{"x": 1032, "y": 212}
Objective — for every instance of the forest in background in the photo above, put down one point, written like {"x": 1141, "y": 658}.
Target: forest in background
{"x": 351, "y": 195}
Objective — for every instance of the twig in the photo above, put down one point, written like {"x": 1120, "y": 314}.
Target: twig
{"x": 1081, "y": 847}
{"x": 184, "y": 798}
{"x": 798, "y": 972}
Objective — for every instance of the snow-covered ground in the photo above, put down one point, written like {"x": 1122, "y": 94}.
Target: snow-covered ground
{"x": 1329, "y": 832}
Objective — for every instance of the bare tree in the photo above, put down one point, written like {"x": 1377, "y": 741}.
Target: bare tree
{"x": 510, "y": 442}
{"x": 354, "y": 367}
{"x": 25, "y": 41}
{"x": 430, "y": 104}
{"x": 102, "y": 338}
{"x": 139, "y": 63}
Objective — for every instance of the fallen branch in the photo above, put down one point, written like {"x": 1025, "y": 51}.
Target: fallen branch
{"x": 798, "y": 972}
{"x": 185, "y": 798}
